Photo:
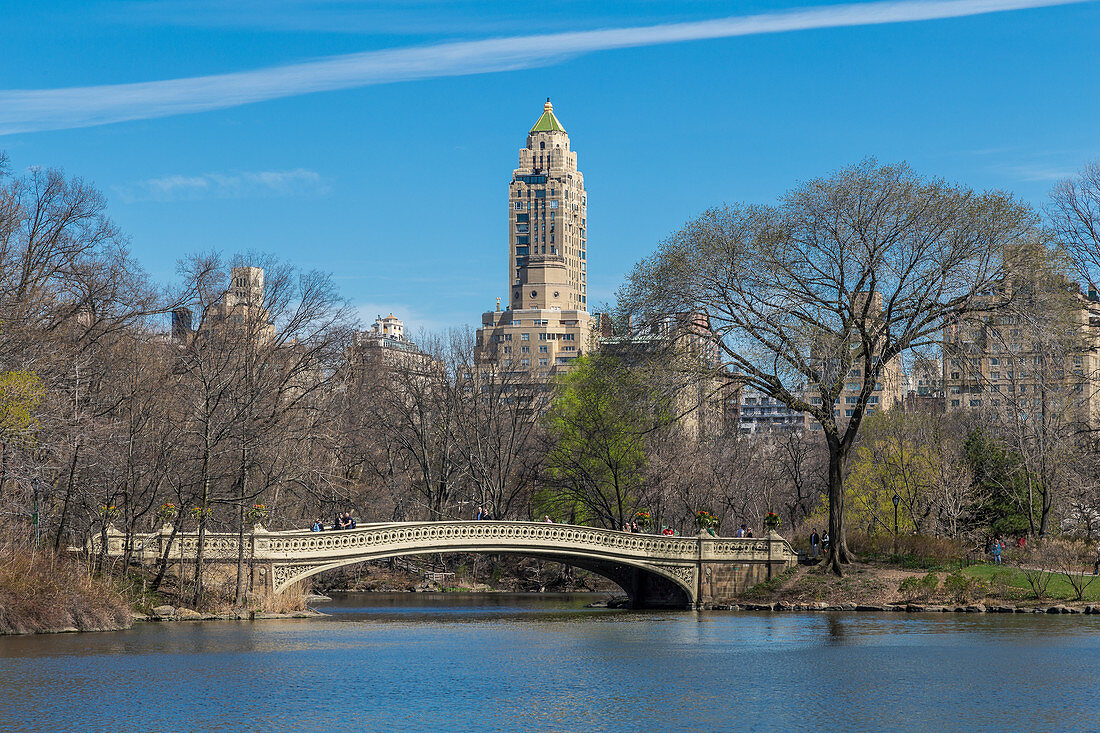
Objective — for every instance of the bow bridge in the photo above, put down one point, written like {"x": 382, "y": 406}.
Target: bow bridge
{"x": 655, "y": 571}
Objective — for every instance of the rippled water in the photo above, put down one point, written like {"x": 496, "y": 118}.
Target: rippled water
{"x": 521, "y": 662}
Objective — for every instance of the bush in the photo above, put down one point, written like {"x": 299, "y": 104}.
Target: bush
{"x": 913, "y": 551}
{"x": 962, "y": 588}
{"x": 919, "y": 587}
{"x": 42, "y": 591}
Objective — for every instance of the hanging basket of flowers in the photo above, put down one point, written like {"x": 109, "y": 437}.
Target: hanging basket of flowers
{"x": 705, "y": 520}
{"x": 772, "y": 521}
{"x": 109, "y": 511}
{"x": 643, "y": 518}
{"x": 257, "y": 511}
{"x": 198, "y": 512}
{"x": 167, "y": 512}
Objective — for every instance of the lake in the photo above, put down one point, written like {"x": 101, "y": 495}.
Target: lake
{"x": 477, "y": 662}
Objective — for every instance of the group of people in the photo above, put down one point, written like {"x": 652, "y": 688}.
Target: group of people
{"x": 818, "y": 543}
{"x": 743, "y": 531}
{"x": 483, "y": 513}
{"x": 342, "y": 520}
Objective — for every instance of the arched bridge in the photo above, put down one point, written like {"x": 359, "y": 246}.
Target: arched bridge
{"x": 654, "y": 570}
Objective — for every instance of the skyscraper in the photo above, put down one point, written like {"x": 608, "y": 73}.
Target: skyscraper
{"x": 546, "y": 322}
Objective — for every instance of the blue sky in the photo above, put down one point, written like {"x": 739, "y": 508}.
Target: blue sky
{"x": 384, "y": 135}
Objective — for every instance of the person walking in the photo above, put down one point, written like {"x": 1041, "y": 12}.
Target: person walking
{"x": 825, "y": 543}
{"x": 815, "y": 540}
{"x": 996, "y": 551}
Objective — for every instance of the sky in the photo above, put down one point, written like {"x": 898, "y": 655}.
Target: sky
{"x": 376, "y": 140}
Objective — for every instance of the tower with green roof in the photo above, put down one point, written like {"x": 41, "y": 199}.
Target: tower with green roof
{"x": 545, "y": 326}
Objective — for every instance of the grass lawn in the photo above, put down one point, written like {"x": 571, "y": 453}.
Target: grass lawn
{"x": 1015, "y": 585}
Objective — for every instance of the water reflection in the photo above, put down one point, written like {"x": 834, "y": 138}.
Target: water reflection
{"x": 501, "y": 662}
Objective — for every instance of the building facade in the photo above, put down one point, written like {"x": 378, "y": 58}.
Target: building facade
{"x": 546, "y": 324}
{"x": 1027, "y": 359}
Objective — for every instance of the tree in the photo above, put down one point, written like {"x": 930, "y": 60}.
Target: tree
{"x": 598, "y": 424}
{"x": 830, "y": 286}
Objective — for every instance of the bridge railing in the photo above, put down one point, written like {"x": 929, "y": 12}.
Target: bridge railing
{"x": 261, "y": 544}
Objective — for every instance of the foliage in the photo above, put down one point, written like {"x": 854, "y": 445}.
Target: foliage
{"x": 919, "y": 587}
{"x": 911, "y": 551}
{"x": 21, "y": 394}
{"x": 996, "y": 469}
{"x": 598, "y": 424}
{"x": 963, "y": 588}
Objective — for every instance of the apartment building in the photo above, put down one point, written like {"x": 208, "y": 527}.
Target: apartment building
{"x": 546, "y": 323}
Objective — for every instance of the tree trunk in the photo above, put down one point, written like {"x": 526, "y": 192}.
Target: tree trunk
{"x": 68, "y": 499}
{"x": 164, "y": 558}
{"x": 238, "y": 599}
{"x": 838, "y": 545}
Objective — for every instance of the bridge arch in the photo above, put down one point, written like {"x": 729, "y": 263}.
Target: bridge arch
{"x": 646, "y": 584}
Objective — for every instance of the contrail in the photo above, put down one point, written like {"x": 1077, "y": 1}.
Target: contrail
{"x": 32, "y": 110}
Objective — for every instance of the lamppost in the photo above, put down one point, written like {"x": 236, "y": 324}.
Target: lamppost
{"x": 896, "y": 500}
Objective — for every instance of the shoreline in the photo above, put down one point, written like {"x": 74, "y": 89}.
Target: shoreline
{"x": 185, "y": 615}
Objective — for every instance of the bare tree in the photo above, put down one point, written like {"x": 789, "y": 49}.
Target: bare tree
{"x": 833, "y": 284}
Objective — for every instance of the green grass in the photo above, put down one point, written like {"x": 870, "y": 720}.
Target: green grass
{"x": 1013, "y": 581}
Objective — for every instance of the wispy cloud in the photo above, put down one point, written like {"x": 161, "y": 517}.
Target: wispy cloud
{"x": 1037, "y": 172}
{"x": 244, "y": 184}
{"x": 52, "y": 109}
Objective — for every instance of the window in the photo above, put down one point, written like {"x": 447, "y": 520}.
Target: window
{"x": 525, "y": 349}
{"x": 994, "y": 362}
{"x": 525, "y": 337}
{"x": 975, "y": 403}
{"x": 523, "y": 239}
{"x": 851, "y": 400}
{"x": 507, "y": 337}
{"x": 541, "y": 194}
{"x": 507, "y": 349}
{"x": 849, "y": 413}
{"x": 520, "y": 205}
{"x": 994, "y": 375}
{"x": 523, "y": 228}
{"x": 525, "y": 362}
{"x": 553, "y": 204}
{"x": 543, "y": 362}
{"x": 954, "y": 403}
{"x": 544, "y": 349}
